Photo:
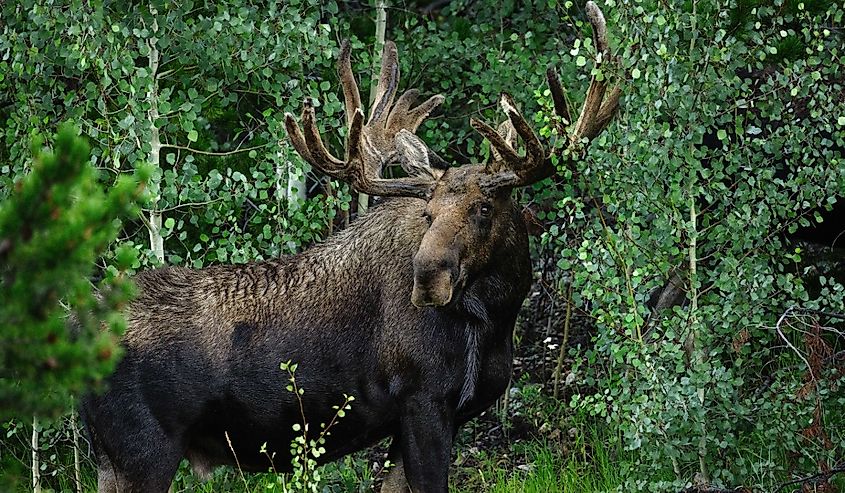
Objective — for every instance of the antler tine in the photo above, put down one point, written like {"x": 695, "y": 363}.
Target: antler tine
{"x": 403, "y": 104}
{"x": 534, "y": 153}
{"x": 607, "y": 110}
{"x": 503, "y": 151}
{"x": 589, "y": 121}
{"x": 372, "y": 146}
{"x": 505, "y": 155}
{"x": 297, "y": 138}
{"x": 597, "y": 111}
{"x": 508, "y": 133}
{"x": 321, "y": 156}
{"x": 351, "y": 96}
{"x": 401, "y": 117}
{"x": 388, "y": 82}
{"x": 561, "y": 104}
{"x": 505, "y": 138}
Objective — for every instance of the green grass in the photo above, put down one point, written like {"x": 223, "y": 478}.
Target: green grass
{"x": 534, "y": 467}
{"x": 540, "y": 467}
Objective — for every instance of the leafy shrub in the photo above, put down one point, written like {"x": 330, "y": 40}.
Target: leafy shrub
{"x": 53, "y": 227}
{"x": 729, "y": 138}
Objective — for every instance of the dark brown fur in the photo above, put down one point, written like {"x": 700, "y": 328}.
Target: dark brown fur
{"x": 203, "y": 348}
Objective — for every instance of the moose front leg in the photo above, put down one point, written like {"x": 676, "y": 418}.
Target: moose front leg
{"x": 426, "y": 440}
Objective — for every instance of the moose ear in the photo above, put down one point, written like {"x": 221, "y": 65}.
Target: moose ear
{"x": 416, "y": 158}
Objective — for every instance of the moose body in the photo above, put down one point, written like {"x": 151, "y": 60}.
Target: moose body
{"x": 410, "y": 310}
{"x": 203, "y": 349}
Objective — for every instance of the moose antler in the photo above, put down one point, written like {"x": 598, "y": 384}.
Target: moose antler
{"x": 508, "y": 167}
{"x": 387, "y": 136}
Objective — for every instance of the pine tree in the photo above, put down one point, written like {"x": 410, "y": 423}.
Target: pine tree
{"x": 56, "y": 223}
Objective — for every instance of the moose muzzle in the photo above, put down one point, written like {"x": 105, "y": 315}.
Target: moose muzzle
{"x": 436, "y": 270}
{"x": 434, "y": 283}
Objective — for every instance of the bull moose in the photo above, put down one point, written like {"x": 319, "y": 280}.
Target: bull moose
{"x": 410, "y": 309}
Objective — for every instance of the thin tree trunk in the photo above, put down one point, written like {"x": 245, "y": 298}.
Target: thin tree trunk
{"x": 694, "y": 350}
{"x": 547, "y": 334}
{"x": 565, "y": 342}
{"x": 156, "y": 240}
{"x": 76, "y": 468}
{"x": 281, "y": 168}
{"x": 330, "y": 193}
{"x": 381, "y": 25}
{"x": 295, "y": 191}
{"x": 290, "y": 181}
{"x": 36, "y": 465}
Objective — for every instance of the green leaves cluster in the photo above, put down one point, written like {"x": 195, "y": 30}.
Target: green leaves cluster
{"x": 305, "y": 450}
{"x": 223, "y": 76}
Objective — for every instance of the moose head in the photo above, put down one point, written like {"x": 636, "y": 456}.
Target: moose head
{"x": 465, "y": 204}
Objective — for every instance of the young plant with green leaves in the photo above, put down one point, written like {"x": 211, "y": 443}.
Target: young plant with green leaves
{"x": 53, "y": 228}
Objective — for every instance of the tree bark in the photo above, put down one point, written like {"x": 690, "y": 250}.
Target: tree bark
{"x": 76, "y": 466}
{"x": 693, "y": 344}
{"x": 36, "y": 465}
{"x": 290, "y": 181}
{"x": 381, "y": 25}
{"x": 565, "y": 342}
{"x": 156, "y": 240}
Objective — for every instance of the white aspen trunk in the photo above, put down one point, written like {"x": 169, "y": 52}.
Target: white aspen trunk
{"x": 290, "y": 181}
{"x": 156, "y": 240}
{"x": 281, "y": 194}
{"x": 381, "y": 26}
{"x": 567, "y": 319}
{"x": 695, "y": 351}
{"x": 296, "y": 186}
{"x": 36, "y": 465}
{"x": 76, "y": 466}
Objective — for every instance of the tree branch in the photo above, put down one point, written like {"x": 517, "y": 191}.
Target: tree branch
{"x": 212, "y": 153}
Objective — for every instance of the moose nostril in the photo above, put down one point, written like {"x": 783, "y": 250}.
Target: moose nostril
{"x": 440, "y": 270}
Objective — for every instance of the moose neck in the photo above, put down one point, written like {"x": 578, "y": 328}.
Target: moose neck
{"x": 381, "y": 242}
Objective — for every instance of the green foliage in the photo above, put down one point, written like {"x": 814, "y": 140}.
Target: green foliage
{"x": 730, "y": 134}
{"x": 52, "y": 229}
{"x": 213, "y": 81}
{"x": 539, "y": 467}
{"x": 719, "y": 151}
{"x": 474, "y": 52}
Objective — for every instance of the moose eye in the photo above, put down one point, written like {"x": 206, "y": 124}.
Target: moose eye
{"x": 485, "y": 210}
{"x": 427, "y": 217}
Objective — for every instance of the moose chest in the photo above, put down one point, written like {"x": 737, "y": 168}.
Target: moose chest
{"x": 465, "y": 357}
{"x": 487, "y": 370}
